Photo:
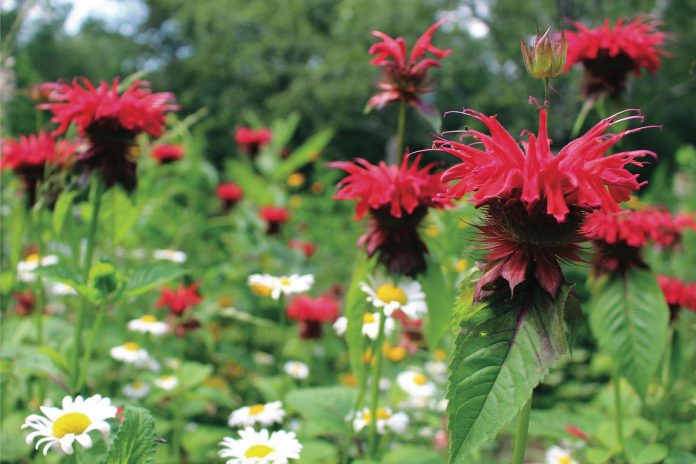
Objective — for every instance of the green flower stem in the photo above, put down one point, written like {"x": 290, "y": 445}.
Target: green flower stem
{"x": 547, "y": 84}
{"x": 40, "y": 295}
{"x": 582, "y": 115}
{"x": 96, "y": 191}
{"x": 522, "y": 429}
{"x": 358, "y": 403}
{"x": 401, "y": 125}
{"x": 96, "y": 328}
{"x": 618, "y": 411}
{"x": 373, "y": 438}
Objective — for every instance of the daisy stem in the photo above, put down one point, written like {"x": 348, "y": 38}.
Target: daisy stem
{"x": 96, "y": 191}
{"x": 522, "y": 429}
{"x": 358, "y": 404}
{"x": 400, "y": 130}
{"x": 618, "y": 412}
{"x": 376, "y": 374}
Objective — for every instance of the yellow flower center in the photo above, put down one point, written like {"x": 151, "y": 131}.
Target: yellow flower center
{"x": 394, "y": 353}
{"x": 432, "y": 231}
{"x": 565, "y": 460}
{"x": 32, "y": 258}
{"x": 368, "y": 318}
{"x": 420, "y": 379}
{"x": 72, "y": 422}
{"x": 256, "y": 409}
{"x": 137, "y": 385}
{"x": 296, "y": 179}
{"x": 285, "y": 281}
{"x": 261, "y": 290}
{"x": 131, "y": 346}
{"x": 166, "y": 378}
{"x": 461, "y": 265}
{"x": 382, "y": 414}
{"x": 148, "y": 318}
{"x": 440, "y": 354}
{"x": 389, "y": 293}
{"x": 258, "y": 451}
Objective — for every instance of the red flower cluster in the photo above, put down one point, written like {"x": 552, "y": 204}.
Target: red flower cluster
{"x": 536, "y": 200}
{"x": 307, "y": 248}
{"x": 398, "y": 198}
{"x": 311, "y": 313}
{"x": 250, "y": 141}
{"x": 179, "y": 300}
{"x": 167, "y": 153}
{"x": 610, "y": 53}
{"x": 26, "y": 302}
{"x": 29, "y": 155}
{"x": 404, "y": 77}
{"x": 230, "y": 193}
{"x": 677, "y": 293}
{"x": 274, "y": 217}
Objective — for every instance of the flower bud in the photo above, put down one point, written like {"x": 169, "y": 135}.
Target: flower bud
{"x": 546, "y": 58}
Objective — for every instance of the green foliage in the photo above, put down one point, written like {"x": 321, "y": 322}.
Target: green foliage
{"x": 134, "y": 442}
{"x": 150, "y": 276}
{"x": 324, "y": 407}
{"x": 354, "y": 310}
{"x": 439, "y": 298}
{"x": 504, "y": 349}
{"x": 629, "y": 315}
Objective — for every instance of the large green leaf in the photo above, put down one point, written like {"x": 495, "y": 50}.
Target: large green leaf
{"x": 303, "y": 154}
{"x": 504, "y": 349}
{"x": 324, "y": 406}
{"x": 255, "y": 187}
{"x": 61, "y": 210}
{"x": 354, "y": 311}
{"x": 438, "y": 295}
{"x": 152, "y": 275}
{"x": 135, "y": 440}
{"x": 629, "y": 317}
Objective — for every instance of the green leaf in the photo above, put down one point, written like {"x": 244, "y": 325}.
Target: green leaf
{"x": 629, "y": 317}
{"x": 438, "y": 296}
{"x": 134, "y": 442}
{"x": 325, "y": 407}
{"x": 61, "y": 210}
{"x": 411, "y": 455}
{"x": 118, "y": 214}
{"x": 61, "y": 273}
{"x": 431, "y": 114}
{"x": 254, "y": 186}
{"x": 503, "y": 351}
{"x": 640, "y": 453}
{"x": 145, "y": 278}
{"x": 318, "y": 452}
{"x": 354, "y": 311}
{"x": 303, "y": 154}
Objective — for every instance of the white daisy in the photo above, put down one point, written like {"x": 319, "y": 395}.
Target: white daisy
{"x": 437, "y": 370}
{"x": 263, "y": 359}
{"x": 167, "y": 382}
{"x": 370, "y": 326}
{"x": 415, "y": 384}
{"x": 148, "y": 324}
{"x": 268, "y": 285}
{"x": 59, "y": 289}
{"x": 386, "y": 420}
{"x": 131, "y": 353}
{"x": 264, "y": 414}
{"x": 403, "y": 294}
{"x": 61, "y": 427}
{"x": 260, "y": 447}
{"x": 26, "y": 268}
{"x": 170, "y": 255}
{"x": 136, "y": 390}
{"x": 296, "y": 370}
{"x": 558, "y": 455}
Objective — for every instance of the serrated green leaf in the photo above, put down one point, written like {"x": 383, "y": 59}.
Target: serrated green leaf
{"x": 134, "y": 442}
{"x": 327, "y": 406}
{"x": 629, "y": 317}
{"x": 318, "y": 452}
{"x": 61, "y": 210}
{"x": 61, "y": 273}
{"x": 503, "y": 351}
{"x": 118, "y": 214}
{"x": 354, "y": 311}
{"x": 438, "y": 296}
{"x": 303, "y": 154}
{"x": 145, "y": 278}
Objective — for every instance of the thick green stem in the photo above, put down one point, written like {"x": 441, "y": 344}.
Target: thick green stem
{"x": 522, "y": 429}
{"x": 96, "y": 328}
{"x": 373, "y": 438}
{"x": 618, "y": 411}
{"x": 400, "y": 130}
{"x": 582, "y": 115}
{"x": 547, "y": 84}
{"x": 96, "y": 194}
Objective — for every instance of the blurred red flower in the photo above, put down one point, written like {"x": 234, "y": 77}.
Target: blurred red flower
{"x": 274, "y": 217}
{"x": 230, "y": 193}
{"x": 536, "y": 200}
{"x": 179, "y": 300}
{"x": 167, "y": 153}
{"x": 678, "y": 294}
{"x": 251, "y": 141}
{"x": 404, "y": 77}
{"x": 398, "y": 198}
{"x": 609, "y": 53}
{"x": 26, "y": 302}
{"x": 311, "y": 313}
{"x": 307, "y": 248}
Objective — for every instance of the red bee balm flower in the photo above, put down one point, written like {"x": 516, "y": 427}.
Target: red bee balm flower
{"x": 307, "y": 248}
{"x": 251, "y": 141}
{"x": 179, "y": 300}
{"x": 274, "y": 217}
{"x": 398, "y": 199}
{"x": 536, "y": 200}
{"x": 311, "y": 313}
{"x": 26, "y": 302}
{"x": 110, "y": 121}
{"x": 609, "y": 54}
{"x": 678, "y": 294}
{"x": 167, "y": 153}
{"x": 29, "y": 155}
{"x": 404, "y": 77}
{"x": 230, "y": 193}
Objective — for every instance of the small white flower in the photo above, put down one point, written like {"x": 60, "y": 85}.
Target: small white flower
{"x": 26, "y": 268}
{"x": 415, "y": 384}
{"x": 260, "y": 447}
{"x": 296, "y": 370}
{"x": 59, "y": 289}
{"x": 148, "y": 324}
{"x": 170, "y": 255}
{"x": 437, "y": 370}
{"x": 404, "y": 294}
{"x": 268, "y": 285}
{"x": 370, "y": 326}
{"x": 263, "y": 359}
{"x": 131, "y": 353}
{"x": 173, "y": 363}
{"x": 263, "y": 414}
{"x": 136, "y": 390}
{"x": 61, "y": 427}
{"x": 558, "y": 455}
{"x": 386, "y": 420}
{"x": 167, "y": 382}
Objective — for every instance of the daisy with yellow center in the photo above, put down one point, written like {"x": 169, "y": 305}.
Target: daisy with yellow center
{"x": 148, "y": 324}
{"x": 296, "y": 369}
{"x": 370, "y": 327}
{"x": 27, "y": 267}
{"x": 403, "y": 294}
{"x": 62, "y": 427}
{"x": 260, "y": 447}
{"x": 131, "y": 353}
{"x": 167, "y": 382}
{"x": 267, "y": 285}
{"x": 558, "y": 455}
{"x": 136, "y": 390}
{"x": 416, "y": 384}
{"x": 263, "y": 414}
{"x": 387, "y": 421}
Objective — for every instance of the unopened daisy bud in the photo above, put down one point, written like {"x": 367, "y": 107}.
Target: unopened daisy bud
{"x": 546, "y": 58}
